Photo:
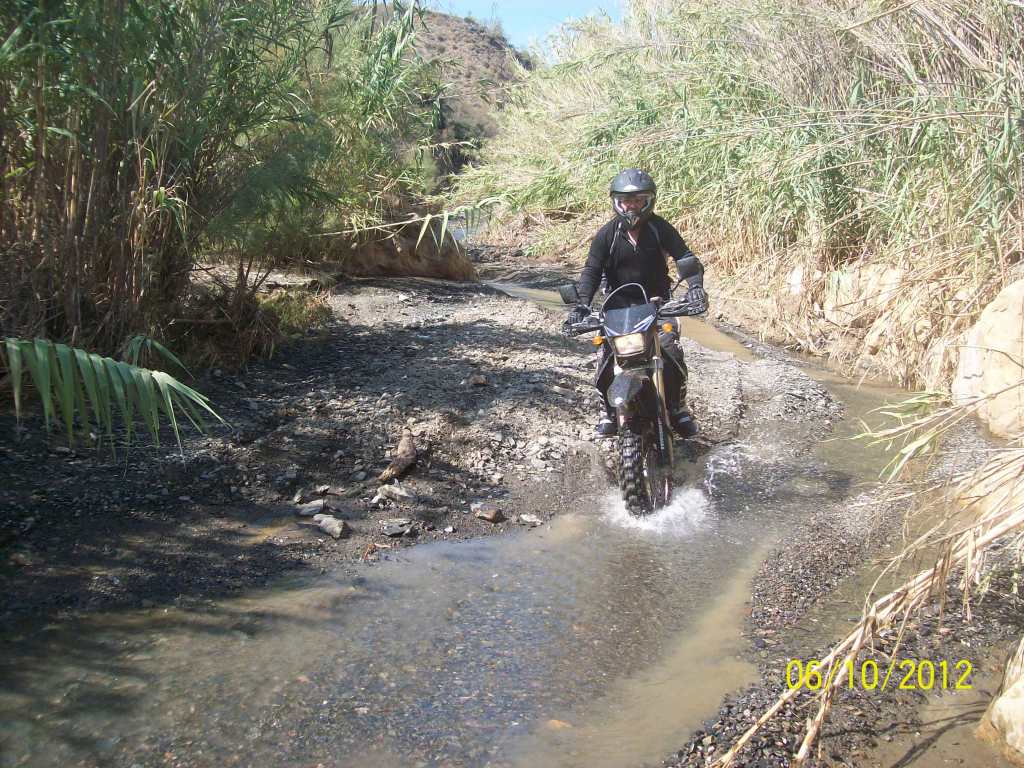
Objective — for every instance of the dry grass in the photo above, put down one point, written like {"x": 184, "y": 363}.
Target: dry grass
{"x": 854, "y": 177}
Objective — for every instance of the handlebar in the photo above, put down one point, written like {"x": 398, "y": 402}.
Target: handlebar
{"x": 674, "y": 308}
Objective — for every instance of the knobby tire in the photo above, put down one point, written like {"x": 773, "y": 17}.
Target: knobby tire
{"x": 631, "y": 474}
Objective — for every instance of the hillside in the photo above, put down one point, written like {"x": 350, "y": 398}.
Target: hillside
{"x": 478, "y": 63}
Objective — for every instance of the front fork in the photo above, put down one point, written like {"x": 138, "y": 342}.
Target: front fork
{"x": 661, "y": 431}
{"x": 664, "y": 436}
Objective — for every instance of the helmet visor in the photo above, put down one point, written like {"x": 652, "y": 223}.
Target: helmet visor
{"x": 632, "y": 202}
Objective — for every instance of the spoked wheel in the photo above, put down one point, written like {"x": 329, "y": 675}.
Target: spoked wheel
{"x": 645, "y": 479}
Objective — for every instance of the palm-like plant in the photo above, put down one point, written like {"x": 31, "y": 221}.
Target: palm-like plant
{"x": 72, "y": 383}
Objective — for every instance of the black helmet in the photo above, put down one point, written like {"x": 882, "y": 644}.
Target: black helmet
{"x": 633, "y": 183}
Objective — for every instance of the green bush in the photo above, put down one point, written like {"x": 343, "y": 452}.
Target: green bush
{"x": 137, "y": 137}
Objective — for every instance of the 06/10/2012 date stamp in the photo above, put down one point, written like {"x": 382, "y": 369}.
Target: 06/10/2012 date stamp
{"x": 868, "y": 675}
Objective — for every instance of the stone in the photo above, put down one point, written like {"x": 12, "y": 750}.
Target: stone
{"x": 395, "y": 493}
{"x": 398, "y": 526}
{"x": 449, "y": 529}
{"x": 333, "y": 527}
{"x": 531, "y": 520}
{"x": 489, "y": 512}
{"x": 990, "y": 362}
{"x": 1003, "y": 723}
{"x": 310, "y": 508}
{"x": 477, "y": 380}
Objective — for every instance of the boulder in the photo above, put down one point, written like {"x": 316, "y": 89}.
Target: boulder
{"x": 1003, "y": 723}
{"x": 992, "y": 360}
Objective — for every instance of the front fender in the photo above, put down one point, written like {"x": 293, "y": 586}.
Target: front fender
{"x": 626, "y": 389}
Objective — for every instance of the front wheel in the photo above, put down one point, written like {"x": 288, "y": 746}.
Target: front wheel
{"x": 644, "y": 475}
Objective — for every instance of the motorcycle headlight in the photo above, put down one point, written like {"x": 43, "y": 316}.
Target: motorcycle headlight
{"x": 630, "y": 344}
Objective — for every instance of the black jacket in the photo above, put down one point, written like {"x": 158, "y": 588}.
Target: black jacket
{"x": 616, "y": 258}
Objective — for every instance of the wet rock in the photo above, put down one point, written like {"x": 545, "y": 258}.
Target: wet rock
{"x": 359, "y": 476}
{"x": 398, "y": 526}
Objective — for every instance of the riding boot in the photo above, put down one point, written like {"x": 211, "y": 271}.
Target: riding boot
{"x": 681, "y": 419}
{"x": 608, "y": 425}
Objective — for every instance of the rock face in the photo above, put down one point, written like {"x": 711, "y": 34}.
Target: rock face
{"x": 992, "y": 360}
{"x": 856, "y": 296}
{"x": 1004, "y": 720}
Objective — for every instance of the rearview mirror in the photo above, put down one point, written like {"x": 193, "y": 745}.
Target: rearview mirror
{"x": 570, "y": 294}
{"x": 688, "y": 267}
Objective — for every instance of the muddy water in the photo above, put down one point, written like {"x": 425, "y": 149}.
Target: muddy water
{"x": 599, "y": 640}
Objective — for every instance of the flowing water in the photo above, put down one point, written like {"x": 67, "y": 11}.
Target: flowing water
{"x": 598, "y": 640}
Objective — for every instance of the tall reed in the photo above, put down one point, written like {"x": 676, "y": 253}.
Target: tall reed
{"x": 137, "y": 136}
{"x": 852, "y": 172}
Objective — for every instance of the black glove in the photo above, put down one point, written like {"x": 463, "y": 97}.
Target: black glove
{"x": 697, "y": 299}
{"x": 577, "y": 314}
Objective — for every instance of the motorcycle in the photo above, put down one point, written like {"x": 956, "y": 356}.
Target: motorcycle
{"x": 629, "y": 323}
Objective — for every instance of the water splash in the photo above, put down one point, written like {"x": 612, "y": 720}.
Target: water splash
{"x": 723, "y": 462}
{"x": 682, "y": 517}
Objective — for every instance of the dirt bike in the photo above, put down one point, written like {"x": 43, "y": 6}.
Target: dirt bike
{"x": 628, "y": 322}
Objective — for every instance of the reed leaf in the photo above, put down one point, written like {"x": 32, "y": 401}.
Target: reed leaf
{"x": 86, "y": 386}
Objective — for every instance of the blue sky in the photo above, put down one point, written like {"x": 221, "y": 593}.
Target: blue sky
{"x": 529, "y": 21}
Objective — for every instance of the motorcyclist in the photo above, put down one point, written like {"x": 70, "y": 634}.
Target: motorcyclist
{"x": 632, "y": 248}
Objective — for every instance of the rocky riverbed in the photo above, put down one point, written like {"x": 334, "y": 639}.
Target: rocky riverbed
{"x": 499, "y": 409}
{"x": 499, "y": 406}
